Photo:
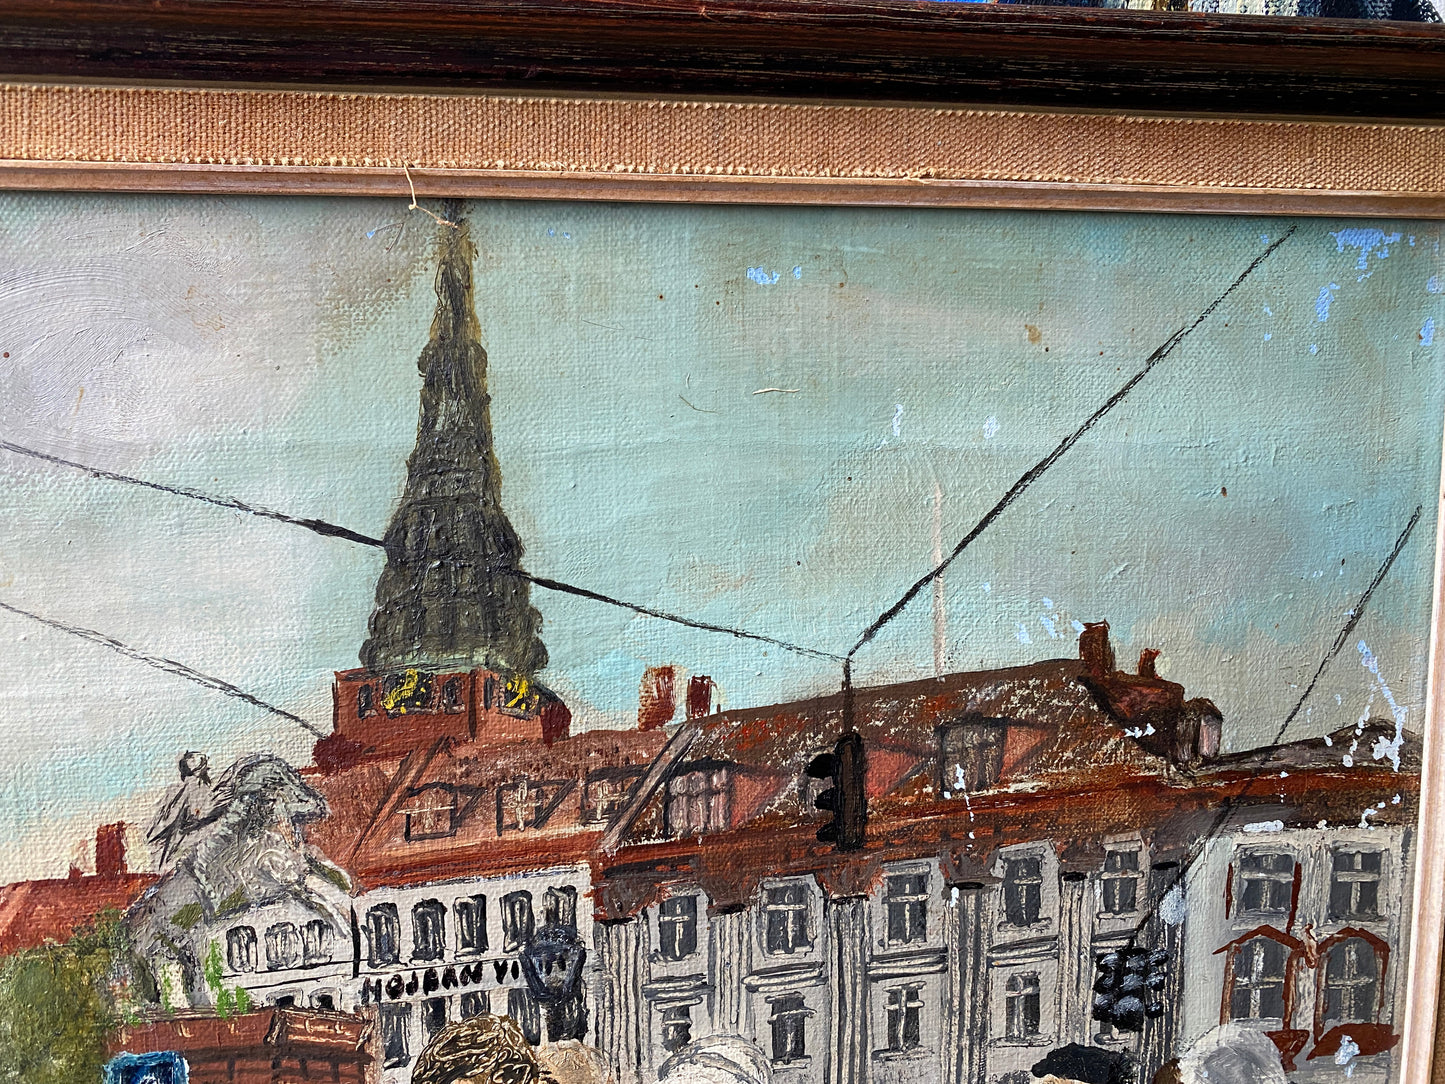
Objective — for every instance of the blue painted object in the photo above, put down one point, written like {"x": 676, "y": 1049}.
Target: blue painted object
{"x": 161, "y": 1067}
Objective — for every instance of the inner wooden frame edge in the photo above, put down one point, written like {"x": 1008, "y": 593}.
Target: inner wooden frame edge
{"x": 190, "y": 178}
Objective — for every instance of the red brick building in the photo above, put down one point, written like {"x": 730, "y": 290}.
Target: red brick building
{"x": 272, "y": 1046}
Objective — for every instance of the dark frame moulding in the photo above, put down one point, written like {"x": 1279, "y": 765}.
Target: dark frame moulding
{"x": 865, "y": 50}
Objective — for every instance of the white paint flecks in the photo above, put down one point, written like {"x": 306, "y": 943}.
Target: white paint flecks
{"x": 1265, "y": 826}
{"x": 990, "y": 427}
{"x": 1385, "y": 748}
{"x": 1174, "y": 907}
{"x": 1348, "y": 1051}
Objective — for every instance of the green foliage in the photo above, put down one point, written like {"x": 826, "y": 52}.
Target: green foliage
{"x": 57, "y": 1007}
{"x": 331, "y": 873}
{"x": 187, "y": 916}
{"x": 227, "y": 1001}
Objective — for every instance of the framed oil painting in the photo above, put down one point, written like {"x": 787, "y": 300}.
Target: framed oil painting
{"x": 691, "y": 623}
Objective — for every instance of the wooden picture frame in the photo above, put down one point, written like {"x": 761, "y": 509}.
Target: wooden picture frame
{"x": 892, "y": 103}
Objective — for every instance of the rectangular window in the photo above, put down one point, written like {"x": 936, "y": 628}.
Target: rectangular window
{"x": 523, "y": 1008}
{"x": 1021, "y": 1006}
{"x": 316, "y": 942}
{"x": 1121, "y": 882}
{"x": 560, "y": 907}
{"x": 907, "y": 906}
{"x": 383, "y": 934}
{"x": 970, "y": 756}
{"x": 789, "y": 1021}
{"x": 475, "y": 1003}
{"x": 1355, "y": 884}
{"x": 428, "y": 927}
{"x": 433, "y": 1017}
{"x": 697, "y": 802}
{"x": 527, "y": 803}
{"x": 365, "y": 702}
{"x": 676, "y": 1027}
{"x": 1266, "y": 882}
{"x": 517, "y": 921}
{"x": 283, "y": 947}
{"x": 471, "y": 915}
{"x": 431, "y": 814}
{"x": 605, "y": 793}
{"x": 677, "y": 927}
{"x": 395, "y": 1029}
{"x": 452, "y": 695}
{"x": 785, "y": 916}
{"x": 904, "y": 1007}
{"x": 241, "y": 948}
{"x": 1023, "y": 883}
{"x": 518, "y": 806}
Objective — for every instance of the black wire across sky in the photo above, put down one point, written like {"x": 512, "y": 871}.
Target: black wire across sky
{"x": 332, "y": 530}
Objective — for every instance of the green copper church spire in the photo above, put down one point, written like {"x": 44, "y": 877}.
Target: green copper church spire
{"x": 442, "y": 599}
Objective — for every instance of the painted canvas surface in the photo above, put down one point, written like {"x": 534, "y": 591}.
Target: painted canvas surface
{"x": 515, "y": 641}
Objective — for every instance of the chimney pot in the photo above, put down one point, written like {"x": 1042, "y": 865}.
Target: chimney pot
{"x": 657, "y": 698}
{"x": 110, "y": 850}
{"x": 699, "y": 696}
{"x": 1095, "y": 650}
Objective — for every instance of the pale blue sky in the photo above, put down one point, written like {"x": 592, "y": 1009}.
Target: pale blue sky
{"x": 265, "y": 348}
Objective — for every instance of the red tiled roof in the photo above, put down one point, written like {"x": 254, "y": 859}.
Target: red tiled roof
{"x": 33, "y": 913}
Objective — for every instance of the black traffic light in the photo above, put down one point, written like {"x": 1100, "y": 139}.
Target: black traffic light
{"x": 1129, "y": 987}
{"x": 847, "y": 767}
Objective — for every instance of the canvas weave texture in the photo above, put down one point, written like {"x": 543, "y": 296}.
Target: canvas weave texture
{"x": 663, "y": 137}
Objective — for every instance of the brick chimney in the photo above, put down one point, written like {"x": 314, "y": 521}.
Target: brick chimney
{"x": 657, "y": 698}
{"x": 1095, "y": 650}
{"x": 110, "y": 850}
{"x": 699, "y": 696}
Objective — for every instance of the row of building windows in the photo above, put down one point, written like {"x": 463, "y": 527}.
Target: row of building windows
{"x": 521, "y": 804}
{"x": 286, "y": 946}
{"x": 1267, "y": 882}
{"x": 429, "y": 925}
{"x": 1348, "y": 983}
{"x": 787, "y": 916}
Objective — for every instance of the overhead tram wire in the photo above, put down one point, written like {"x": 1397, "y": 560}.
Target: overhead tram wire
{"x": 1230, "y": 803}
{"x": 1037, "y": 471}
{"x": 169, "y": 666}
{"x": 332, "y": 530}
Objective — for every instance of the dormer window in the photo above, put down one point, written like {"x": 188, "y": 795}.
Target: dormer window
{"x": 431, "y": 814}
{"x": 970, "y": 755}
{"x": 606, "y": 791}
{"x": 528, "y": 803}
{"x": 698, "y": 800}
